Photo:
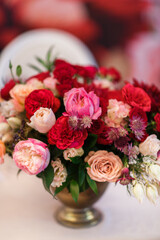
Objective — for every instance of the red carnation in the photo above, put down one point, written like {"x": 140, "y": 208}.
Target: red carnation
{"x": 97, "y": 126}
{"x": 63, "y": 136}
{"x": 111, "y": 73}
{"x": 157, "y": 119}
{"x": 6, "y": 89}
{"x": 136, "y": 97}
{"x": 41, "y": 98}
{"x": 86, "y": 72}
{"x": 41, "y": 76}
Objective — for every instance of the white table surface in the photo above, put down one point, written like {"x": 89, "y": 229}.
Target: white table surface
{"x": 26, "y": 213}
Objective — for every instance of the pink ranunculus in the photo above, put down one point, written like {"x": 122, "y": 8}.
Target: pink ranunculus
{"x": 104, "y": 166}
{"x": 32, "y": 156}
{"x": 83, "y": 105}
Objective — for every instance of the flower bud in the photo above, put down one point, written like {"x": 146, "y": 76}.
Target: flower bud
{"x": 14, "y": 122}
{"x": 4, "y": 128}
{"x": 138, "y": 191}
{"x": 152, "y": 193}
{"x": 8, "y": 137}
{"x": 154, "y": 171}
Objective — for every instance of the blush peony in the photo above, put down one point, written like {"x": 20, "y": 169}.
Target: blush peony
{"x": 136, "y": 97}
{"x": 32, "y": 156}
{"x": 42, "y": 120}
{"x": 63, "y": 136}
{"x": 104, "y": 166}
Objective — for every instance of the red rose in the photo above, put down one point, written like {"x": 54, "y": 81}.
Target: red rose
{"x": 41, "y": 98}
{"x": 63, "y": 136}
{"x": 157, "y": 119}
{"x": 6, "y": 89}
{"x": 136, "y": 97}
{"x": 41, "y": 76}
{"x": 97, "y": 126}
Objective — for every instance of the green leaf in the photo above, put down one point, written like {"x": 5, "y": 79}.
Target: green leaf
{"x": 74, "y": 189}
{"x": 10, "y": 65}
{"x": 19, "y": 70}
{"x": 81, "y": 175}
{"x": 92, "y": 184}
{"x": 48, "y": 56}
{"x": 90, "y": 141}
{"x": 19, "y": 170}
{"x": 59, "y": 189}
{"x": 75, "y": 160}
{"x": 87, "y": 165}
{"x": 35, "y": 68}
{"x": 47, "y": 177}
{"x": 42, "y": 62}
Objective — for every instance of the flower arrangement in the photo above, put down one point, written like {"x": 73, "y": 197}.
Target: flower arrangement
{"x": 73, "y": 126}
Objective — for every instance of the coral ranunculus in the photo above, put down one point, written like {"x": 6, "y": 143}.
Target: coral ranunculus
{"x": 41, "y": 98}
{"x": 63, "y": 136}
{"x": 32, "y": 156}
{"x": 136, "y": 97}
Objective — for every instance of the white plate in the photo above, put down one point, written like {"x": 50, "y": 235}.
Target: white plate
{"x": 23, "y": 49}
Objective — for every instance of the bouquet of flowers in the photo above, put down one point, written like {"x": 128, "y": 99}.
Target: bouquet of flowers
{"x": 73, "y": 126}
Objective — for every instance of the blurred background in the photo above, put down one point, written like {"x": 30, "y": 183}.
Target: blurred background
{"x": 120, "y": 33}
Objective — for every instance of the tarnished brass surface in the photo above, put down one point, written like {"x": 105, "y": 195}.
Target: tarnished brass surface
{"x": 81, "y": 214}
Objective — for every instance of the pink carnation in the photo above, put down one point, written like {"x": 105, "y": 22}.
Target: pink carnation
{"x": 32, "y": 156}
{"x": 83, "y": 105}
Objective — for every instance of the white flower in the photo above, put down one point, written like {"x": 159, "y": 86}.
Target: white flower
{"x": 42, "y": 120}
{"x": 138, "y": 191}
{"x": 7, "y": 108}
{"x": 60, "y": 173}
{"x": 8, "y": 137}
{"x": 150, "y": 146}
{"x": 152, "y": 193}
{"x": 4, "y": 128}
{"x": 154, "y": 171}
{"x": 14, "y": 122}
{"x": 72, "y": 152}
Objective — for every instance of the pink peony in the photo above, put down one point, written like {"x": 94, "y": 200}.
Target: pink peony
{"x": 83, "y": 105}
{"x": 32, "y": 156}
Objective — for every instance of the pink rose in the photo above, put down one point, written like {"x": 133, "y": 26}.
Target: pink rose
{"x": 42, "y": 120}
{"x": 82, "y": 105}
{"x": 34, "y": 82}
{"x": 104, "y": 166}
{"x": 51, "y": 83}
{"x": 32, "y": 156}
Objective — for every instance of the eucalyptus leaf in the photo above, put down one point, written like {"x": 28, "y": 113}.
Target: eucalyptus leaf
{"x": 35, "y": 68}
{"x": 74, "y": 189}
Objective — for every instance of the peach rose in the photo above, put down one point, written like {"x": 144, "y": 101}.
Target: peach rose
{"x": 42, "y": 120}
{"x": 19, "y": 94}
{"x": 104, "y": 166}
{"x": 2, "y": 152}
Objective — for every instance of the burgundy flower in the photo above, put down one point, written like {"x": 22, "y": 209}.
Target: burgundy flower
{"x": 125, "y": 178}
{"x": 157, "y": 119}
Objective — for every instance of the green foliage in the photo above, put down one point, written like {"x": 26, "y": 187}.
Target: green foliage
{"x": 74, "y": 190}
{"x": 90, "y": 142}
{"x": 81, "y": 175}
{"x": 47, "y": 177}
{"x": 59, "y": 189}
{"x": 92, "y": 184}
{"x": 19, "y": 70}
{"x": 76, "y": 160}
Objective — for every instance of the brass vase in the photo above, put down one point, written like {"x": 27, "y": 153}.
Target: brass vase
{"x": 80, "y": 214}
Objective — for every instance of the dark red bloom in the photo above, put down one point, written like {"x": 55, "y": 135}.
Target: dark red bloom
{"x": 103, "y": 137}
{"x": 125, "y": 178}
{"x": 63, "y": 136}
{"x": 86, "y": 72}
{"x": 157, "y": 119}
{"x": 41, "y": 98}
{"x": 111, "y": 73}
{"x": 153, "y": 92}
{"x": 6, "y": 89}
{"x": 41, "y": 76}
{"x": 136, "y": 97}
{"x": 97, "y": 126}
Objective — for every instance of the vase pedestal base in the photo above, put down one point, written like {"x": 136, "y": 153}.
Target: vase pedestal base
{"x": 78, "y": 218}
